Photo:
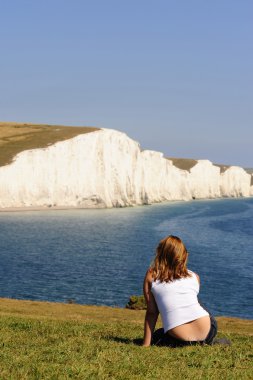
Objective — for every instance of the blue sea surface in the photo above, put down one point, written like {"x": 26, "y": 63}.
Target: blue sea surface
{"x": 100, "y": 256}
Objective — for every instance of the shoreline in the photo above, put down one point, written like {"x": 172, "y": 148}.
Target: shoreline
{"x": 40, "y": 208}
{"x": 65, "y": 208}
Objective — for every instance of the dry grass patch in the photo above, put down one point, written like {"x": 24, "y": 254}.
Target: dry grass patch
{"x": 249, "y": 170}
{"x": 223, "y": 168}
{"x": 183, "y": 163}
{"x": 17, "y": 137}
{"x": 189, "y": 163}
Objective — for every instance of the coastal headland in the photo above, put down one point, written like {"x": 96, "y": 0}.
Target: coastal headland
{"x": 43, "y": 166}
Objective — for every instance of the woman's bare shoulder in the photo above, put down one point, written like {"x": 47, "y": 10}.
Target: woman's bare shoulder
{"x": 198, "y": 278}
{"x": 195, "y": 274}
{"x": 149, "y": 275}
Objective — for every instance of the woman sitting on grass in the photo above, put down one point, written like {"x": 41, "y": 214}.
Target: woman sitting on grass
{"x": 171, "y": 290}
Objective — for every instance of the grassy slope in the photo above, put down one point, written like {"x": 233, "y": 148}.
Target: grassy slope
{"x": 16, "y": 137}
{"x": 183, "y": 163}
{"x": 58, "y": 341}
{"x": 188, "y": 163}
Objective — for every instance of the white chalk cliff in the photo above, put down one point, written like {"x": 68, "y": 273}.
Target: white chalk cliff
{"x": 106, "y": 168}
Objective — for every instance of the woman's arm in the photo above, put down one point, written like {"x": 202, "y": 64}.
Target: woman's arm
{"x": 152, "y": 310}
{"x": 198, "y": 278}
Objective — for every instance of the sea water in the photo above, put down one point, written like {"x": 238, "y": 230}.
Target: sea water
{"x": 100, "y": 256}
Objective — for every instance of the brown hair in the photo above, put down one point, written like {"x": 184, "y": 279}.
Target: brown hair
{"x": 170, "y": 261}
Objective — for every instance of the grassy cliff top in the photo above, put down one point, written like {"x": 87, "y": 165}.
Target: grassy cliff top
{"x": 188, "y": 163}
{"x": 42, "y": 340}
{"x": 183, "y": 163}
{"x": 16, "y": 137}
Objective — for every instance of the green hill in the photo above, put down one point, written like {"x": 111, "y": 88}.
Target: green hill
{"x": 41, "y": 340}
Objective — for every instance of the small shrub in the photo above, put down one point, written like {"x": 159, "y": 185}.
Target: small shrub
{"x": 136, "y": 303}
{"x": 70, "y": 301}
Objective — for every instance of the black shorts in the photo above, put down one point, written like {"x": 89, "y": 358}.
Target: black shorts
{"x": 161, "y": 339}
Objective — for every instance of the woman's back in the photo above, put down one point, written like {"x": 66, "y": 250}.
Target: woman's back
{"x": 178, "y": 305}
{"x": 196, "y": 330}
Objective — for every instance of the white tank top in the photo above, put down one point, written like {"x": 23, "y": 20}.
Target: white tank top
{"x": 177, "y": 301}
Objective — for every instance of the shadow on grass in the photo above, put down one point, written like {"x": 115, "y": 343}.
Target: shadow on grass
{"x": 117, "y": 339}
{"x": 138, "y": 342}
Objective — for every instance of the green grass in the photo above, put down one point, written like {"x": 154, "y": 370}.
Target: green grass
{"x": 59, "y": 341}
{"x": 17, "y": 137}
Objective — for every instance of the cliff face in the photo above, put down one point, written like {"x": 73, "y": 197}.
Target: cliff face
{"x": 107, "y": 169}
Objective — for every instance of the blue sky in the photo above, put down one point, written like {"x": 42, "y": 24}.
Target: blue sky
{"x": 174, "y": 75}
